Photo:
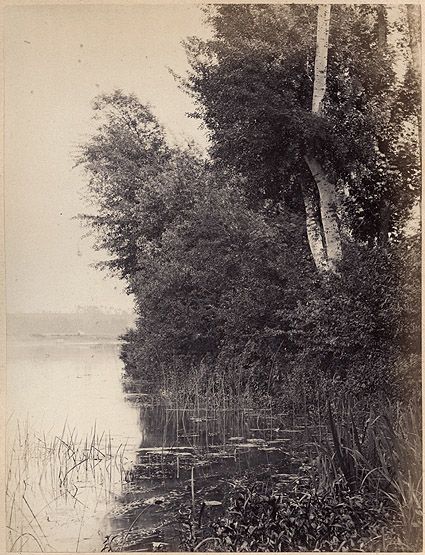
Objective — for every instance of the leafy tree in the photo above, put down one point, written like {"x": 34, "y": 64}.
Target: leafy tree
{"x": 312, "y": 140}
{"x": 214, "y": 285}
{"x": 126, "y": 161}
{"x": 362, "y": 333}
{"x": 216, "y": 251}
{"x": 208, "y": 272}
{"x": 253, "y": 84}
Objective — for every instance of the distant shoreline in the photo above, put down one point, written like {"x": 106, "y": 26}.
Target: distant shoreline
{"x": 87, "y": 325}
{"x": 64, "y": 339}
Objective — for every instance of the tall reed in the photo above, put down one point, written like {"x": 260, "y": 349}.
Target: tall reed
{"x": 49, "y": 474}
{"x": 378, "y": 451}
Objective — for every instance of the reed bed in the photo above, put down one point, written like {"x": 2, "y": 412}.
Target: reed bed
{"x": 59, "y": 481}
{"x": 378, "y": 453}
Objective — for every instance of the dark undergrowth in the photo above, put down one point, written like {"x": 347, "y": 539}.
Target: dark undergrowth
{"x": 260, "y": 517}
{"x": 360, "y": 491}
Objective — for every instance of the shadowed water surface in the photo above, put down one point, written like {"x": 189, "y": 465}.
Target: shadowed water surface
{"x": 191, "y": 460}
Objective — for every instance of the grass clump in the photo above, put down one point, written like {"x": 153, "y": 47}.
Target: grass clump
{"x": 54, "y": 480}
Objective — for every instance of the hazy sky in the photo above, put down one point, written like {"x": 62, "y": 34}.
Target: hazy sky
{"x": 57, "y": 59}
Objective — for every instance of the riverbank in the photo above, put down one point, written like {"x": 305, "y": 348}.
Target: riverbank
{"x": 268, "y": 490}
{"x": 112, "y": 470}
{"x": 182, "y": 489}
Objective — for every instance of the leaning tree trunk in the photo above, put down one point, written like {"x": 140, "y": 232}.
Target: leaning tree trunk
{"x": 328, "y": 206}
{"x": 314, "y": 228}
{"x": 327, "y": 190}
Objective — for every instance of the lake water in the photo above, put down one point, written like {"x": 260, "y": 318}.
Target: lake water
{"x": 92, "y": 467}
{"x": 69, "y": 390}
{"x": 50, "y": 384}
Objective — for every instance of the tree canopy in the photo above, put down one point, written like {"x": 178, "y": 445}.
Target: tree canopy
{"x": 282, "y": 268}
{"x": 253, "y": 84}
{"x": 216, "y": 251}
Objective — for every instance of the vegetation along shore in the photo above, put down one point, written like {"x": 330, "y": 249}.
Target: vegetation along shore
{"x": 276, "y": 277}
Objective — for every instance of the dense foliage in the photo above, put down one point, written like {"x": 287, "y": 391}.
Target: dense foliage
{"x": 305, "y": 521}
{"x": 216, "y": 252}
{"x": 253, "y": 83}
{"x": 217, "y": 276}
{"x": 261, "y": 518}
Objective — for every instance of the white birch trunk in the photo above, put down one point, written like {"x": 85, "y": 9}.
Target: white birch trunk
{"x": 321, "y": 61}
{"x": 327, "y": 190}
{"x": 314, "y": 231}
{"x": 328, "y": 210}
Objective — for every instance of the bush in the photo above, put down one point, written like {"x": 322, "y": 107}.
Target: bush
{"x": 304, "y": 521}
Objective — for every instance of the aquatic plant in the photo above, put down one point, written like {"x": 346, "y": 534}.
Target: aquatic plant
{"x": 302, "y": 521}
{"x": 359, "y": 488}
{"x": 384, "y": 457}
{"x": 49, "y": 476}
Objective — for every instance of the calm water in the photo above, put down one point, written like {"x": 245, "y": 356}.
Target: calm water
{"x": 68, "y": 390}
{"x": 88, "y": 462}
{"x": 52, "y": 383}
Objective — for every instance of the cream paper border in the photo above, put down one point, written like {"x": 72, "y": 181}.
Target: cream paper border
{"x": 3, "y": 5}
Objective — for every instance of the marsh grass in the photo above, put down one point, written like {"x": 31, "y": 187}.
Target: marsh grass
{"x": 377, "y": 453}
{"x": 56, "y": 484}
{"x": 364, "y": 487}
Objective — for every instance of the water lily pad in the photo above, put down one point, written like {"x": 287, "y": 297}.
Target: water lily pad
{"x": 279, "y": 440}
{"x": 212, "y": 503}
{"x": 158, "y": 546}
{"x": 164, "y": 449}
{"x": 154, "y": 500}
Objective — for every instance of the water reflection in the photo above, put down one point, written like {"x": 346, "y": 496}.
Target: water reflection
{"x": 51, "y": 383}
{"x": 200, "y": 449}
{"x": 71, "y": 437}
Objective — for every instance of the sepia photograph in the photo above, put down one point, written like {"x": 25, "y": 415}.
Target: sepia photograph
{"x": 213, "y": 277}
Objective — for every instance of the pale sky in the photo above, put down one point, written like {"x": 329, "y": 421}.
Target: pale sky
{"x": 57, "y": 59}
